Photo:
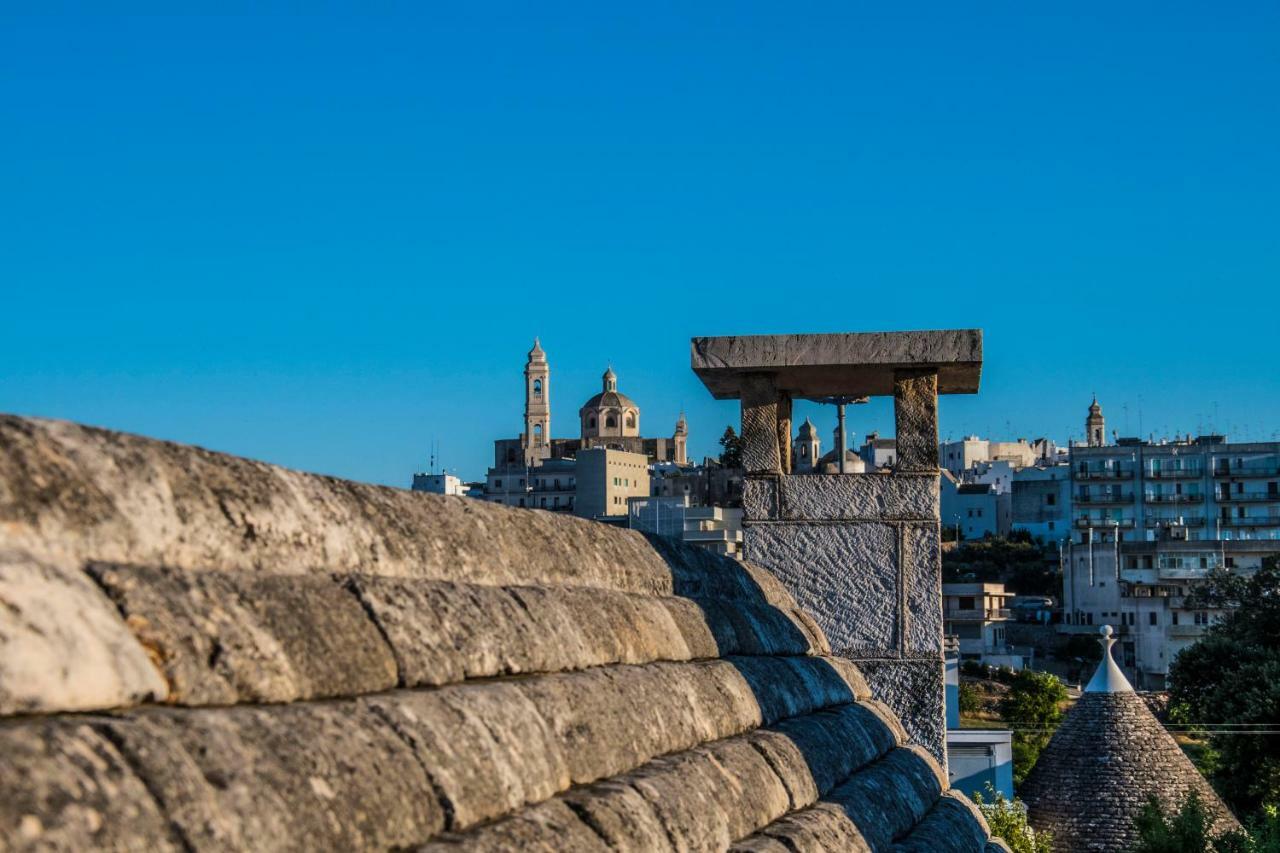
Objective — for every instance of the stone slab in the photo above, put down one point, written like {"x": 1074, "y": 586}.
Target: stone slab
{"x": 66, "y": 787}
{"x": 225, "y": 638}
{"x": 922, "y": 578}
{"x": 319, "y": 775}
{"x": 851, "y": 364}
{"x": 914, "y": 690}
{"x": 845, "y": 575}
{"x": 842, "y": 497}
{"x": 63, "y": 644}
{"x": 915, "y": 411}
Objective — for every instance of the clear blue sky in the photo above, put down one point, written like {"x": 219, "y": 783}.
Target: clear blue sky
{"x": 325, "y": 239}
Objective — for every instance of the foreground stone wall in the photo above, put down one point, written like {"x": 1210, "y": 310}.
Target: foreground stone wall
{"x": 200, "y": 652}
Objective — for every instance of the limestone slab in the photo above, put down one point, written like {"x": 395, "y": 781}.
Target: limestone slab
{"x": 844, "y": 575}
{"x": 63, "y": 644}
{"x": 66, "y": 787}
{"x": 922, "y": 578}
{"x": 867, "y": 497}
{"x": 850, "y": 364}
{"x": 324, "y": 776}
{"x": 914, "y": 690}
{"x": 915, "y": 412}
{"x": 225, "y": 638}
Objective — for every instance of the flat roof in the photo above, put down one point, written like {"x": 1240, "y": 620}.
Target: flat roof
{"x": 850, "y": 364}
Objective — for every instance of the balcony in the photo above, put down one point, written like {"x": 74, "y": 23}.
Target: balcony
{"x": 1253, "y": 521}
{"x": 1104, "y": 523}
{"x": 1085, "y": 500}
{"x": 1173, "y": 499}
{"x": 991, "y": 614}
{"x": 1249, "y": 497}
{"x": 1186, "y": 632}
{"x": 1105, "y": 474}
{"x": 1182, "y": 521}
{"x": 1174, "y": 473}
{"x": 1246, "y": 470}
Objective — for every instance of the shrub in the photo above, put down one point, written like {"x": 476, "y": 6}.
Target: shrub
{"x": 1008, "y": 822}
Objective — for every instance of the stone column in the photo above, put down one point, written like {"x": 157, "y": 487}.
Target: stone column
{"x": 915, "y": 410}
{"x": 761, "y": 404}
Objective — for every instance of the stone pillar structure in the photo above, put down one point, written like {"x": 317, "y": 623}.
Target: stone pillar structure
{"x": 861, "y": 552}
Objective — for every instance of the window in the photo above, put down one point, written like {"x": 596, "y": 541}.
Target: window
{"x": 610, "y": 422}
{"x": 1051, "y": 499}
{"x": 591, "y": 422}
{"x": 1173, "y": 617}
{"x": 631, "y": 420}
{"x": 497, "y": 484}
{"x": 1153, "y": 618}
{"x": 1201, "y": 617}
{"x": 966, "y": 602}
{"x": 537, "y": 387}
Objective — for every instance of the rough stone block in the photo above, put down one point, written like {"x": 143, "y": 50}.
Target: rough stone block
{"x": 761, "y": 449}
{"x": 822, "y": 827}
{"x": 487, "y": 748}
{"x": 760, "y": 498}
{"x": 870, "y": 497}
{"x": 63, "y": 644}
{"x": 953, "y": 824}
{"x": 548, "y": 827}
{"x": 330, "y": 776}
{"x": 914, "y": 690}
{"x": 66, "y": 787}
{"x": 620, "y": 815}
{"x": 227, "y": 638}
{"x": 922, "y": 577}
{"x": 915, "y": 407}
{"x": 844, "y": 575}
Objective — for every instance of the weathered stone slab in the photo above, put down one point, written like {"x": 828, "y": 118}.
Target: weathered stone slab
{"x": 761, "y": 500}
{"x": 708, "y": 797}
{"x": 75, "y": 494}
{"x": 227, "y": 638}
{"x": 487, "y": 748}
{"x": 858, "y": 497}
{"x": 67, "y": 788}
{"x": 922, "y": 577}
{"x": 888, "y": 798}
{"x": 550, "y": 827}
{"x": 328, "y": 776}
{"x": 953, "y": 825}
{"x": 762, "y": 448}
{"x": 845, "y": 576}
{"x": 620, "y": 815}
{"x": 915, "y": 410}
{"x": 916, "y": 693}
{"x": 852, "y": 364}
{"x": 63, "y": 645}
{"x": 818, "y": 829}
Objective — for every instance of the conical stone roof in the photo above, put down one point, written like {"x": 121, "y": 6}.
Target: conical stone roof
{"x": 1109, "y": 755}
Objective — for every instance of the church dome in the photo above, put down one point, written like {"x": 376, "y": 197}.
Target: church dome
{"x": 610, "y": 400}
{"x": 610, "y": 413}
{"x": 808, "y": 431}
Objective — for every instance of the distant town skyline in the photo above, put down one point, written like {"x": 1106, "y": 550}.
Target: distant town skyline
{"x": 328, "y": 240}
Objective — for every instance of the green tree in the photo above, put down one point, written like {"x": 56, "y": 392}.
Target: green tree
{"x": 1231, "y": 678}
{"x": 1008, "y": 822}
{"x": 1025, "y": 566}
{"x": 1189, "y": 830}
{"x": 1033, "y": 706}
{"x": 731, "y": 449}
{"x": 970, "y": 699}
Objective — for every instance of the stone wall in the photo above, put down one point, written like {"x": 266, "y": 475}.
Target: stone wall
{"x": 200, "y": 652}
{"x": 861, "y": 553}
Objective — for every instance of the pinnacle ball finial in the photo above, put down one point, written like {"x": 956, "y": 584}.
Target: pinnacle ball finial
{"x": 1106, "y": 631}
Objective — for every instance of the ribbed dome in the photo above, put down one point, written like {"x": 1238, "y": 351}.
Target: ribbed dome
{"x": 610, "y": 400}
{"x": 1107, "y": 758}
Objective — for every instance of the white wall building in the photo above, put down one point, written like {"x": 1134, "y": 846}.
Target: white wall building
{"x": 717, "y": 529}
{"x": 1041, "y": 502}
{"x": 976, "y": 615}
{"x": 439, "y": 484}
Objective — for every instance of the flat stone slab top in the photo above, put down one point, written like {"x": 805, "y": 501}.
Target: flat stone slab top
{"x": 852, "y": 364}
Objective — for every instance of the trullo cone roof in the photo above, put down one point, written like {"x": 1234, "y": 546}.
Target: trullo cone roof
{"x": 1108, "y": 756}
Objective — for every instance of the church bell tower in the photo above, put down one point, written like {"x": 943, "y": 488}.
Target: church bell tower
{"x": 536, "y": 439}
{"x": 1095, "y": 425}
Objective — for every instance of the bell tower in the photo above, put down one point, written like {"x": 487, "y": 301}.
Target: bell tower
{"x": 1095, "y": 425}
{"x": 536, "y": 439}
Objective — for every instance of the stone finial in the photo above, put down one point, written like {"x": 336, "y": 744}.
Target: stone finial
{"x": 1108, "y": 678}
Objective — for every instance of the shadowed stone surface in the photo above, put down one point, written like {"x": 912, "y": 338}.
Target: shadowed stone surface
{"x": 357, "y": 668}
{"x": 915, "y": 411}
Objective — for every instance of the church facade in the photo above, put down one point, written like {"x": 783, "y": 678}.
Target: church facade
{"x": 609, "y": 420}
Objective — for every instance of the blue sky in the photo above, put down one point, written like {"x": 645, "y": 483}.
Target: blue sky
{"x": 326, "y": 239}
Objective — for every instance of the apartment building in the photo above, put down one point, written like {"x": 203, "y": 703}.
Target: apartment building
{"x": 976, "y": 615}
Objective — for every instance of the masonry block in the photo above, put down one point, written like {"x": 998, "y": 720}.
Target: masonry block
{"x": 914, "y": 689}
{"x": 915, "y": 406}
{"x": 853, "y": 497}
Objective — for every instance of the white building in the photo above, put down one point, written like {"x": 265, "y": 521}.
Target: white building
{"x": 973, "y": 510}
{"x": 1041, "y": 502}
{"x": 717, "y": 529}
{"x": 439, "y": 484}
{"x": 976, "y": 615}
{"x": 1141, "y": 589}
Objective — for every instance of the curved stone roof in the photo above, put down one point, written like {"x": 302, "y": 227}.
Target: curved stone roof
{"x": 204, "y": 652}
{"x": 1108, "y": 756}
{"x": 610, "y": 400}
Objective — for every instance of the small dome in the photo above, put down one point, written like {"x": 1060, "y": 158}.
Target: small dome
{"x": 537, "y": 354}
{"x": 808, "y": 431}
